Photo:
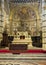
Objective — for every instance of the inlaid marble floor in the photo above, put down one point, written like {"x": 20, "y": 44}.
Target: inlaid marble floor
{"x": 17, "y": 62}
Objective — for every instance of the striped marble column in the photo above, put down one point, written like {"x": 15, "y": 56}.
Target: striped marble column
{"x": 1, "y": 21}
{"x": 44, "y": 25}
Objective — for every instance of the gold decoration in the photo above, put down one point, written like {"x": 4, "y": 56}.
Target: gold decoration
{"x": 24, "y": 11}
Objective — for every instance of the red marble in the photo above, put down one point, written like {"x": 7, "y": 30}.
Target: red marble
{"x": 24, "y": 51}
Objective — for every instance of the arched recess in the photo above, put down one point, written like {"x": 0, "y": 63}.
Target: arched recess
{"x": 33, "y": 8}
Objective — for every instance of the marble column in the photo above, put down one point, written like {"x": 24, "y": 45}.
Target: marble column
{"x": 43, "y": 25}
{"x": 1, "y": 18}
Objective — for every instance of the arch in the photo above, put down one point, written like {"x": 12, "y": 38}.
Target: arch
{"x": 32, "y": 8}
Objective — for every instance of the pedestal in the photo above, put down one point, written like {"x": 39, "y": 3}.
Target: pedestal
{"x": 22, "y": 43}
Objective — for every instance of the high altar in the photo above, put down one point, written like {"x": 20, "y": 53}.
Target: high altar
{"x": 22, "y": 25}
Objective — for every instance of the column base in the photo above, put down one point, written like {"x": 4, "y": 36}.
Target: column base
{"x": 44, "y": 46}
